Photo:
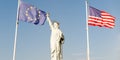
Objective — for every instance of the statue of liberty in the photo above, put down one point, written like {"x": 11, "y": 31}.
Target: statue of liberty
{"x": 56, "y": 40}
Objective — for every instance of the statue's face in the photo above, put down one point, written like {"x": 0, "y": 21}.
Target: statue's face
{"x": 56, "y": 25}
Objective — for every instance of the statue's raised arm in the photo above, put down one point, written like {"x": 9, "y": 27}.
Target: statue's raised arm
{"x": 49, "y": 20}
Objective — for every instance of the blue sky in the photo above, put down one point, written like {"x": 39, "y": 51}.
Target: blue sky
{"x": 33, "y": 42}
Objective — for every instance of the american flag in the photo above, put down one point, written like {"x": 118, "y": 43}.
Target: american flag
{"x": 100, "y": 18}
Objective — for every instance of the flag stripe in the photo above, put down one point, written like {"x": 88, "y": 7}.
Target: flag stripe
{"x": 95, "y": 21}
{"x": 108, "y": 20}
{"x": 100, "y": 18}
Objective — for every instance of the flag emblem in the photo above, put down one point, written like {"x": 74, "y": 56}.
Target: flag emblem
{"x": 100, "y": 18}
{"x": 31, "y": 14}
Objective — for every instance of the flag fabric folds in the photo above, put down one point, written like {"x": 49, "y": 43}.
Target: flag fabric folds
{"x": 31, "y": 14}
{"x": 100, "y": 18}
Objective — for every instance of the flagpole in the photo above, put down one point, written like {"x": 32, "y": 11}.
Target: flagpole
{"x": 16, "y": 31}
{"x": 87, "y": 31}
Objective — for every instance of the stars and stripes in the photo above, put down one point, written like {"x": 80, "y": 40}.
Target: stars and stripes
{"x": 100, "y": 18}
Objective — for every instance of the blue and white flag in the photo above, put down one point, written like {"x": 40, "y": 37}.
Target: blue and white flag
{"x": 31, "y": 14}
